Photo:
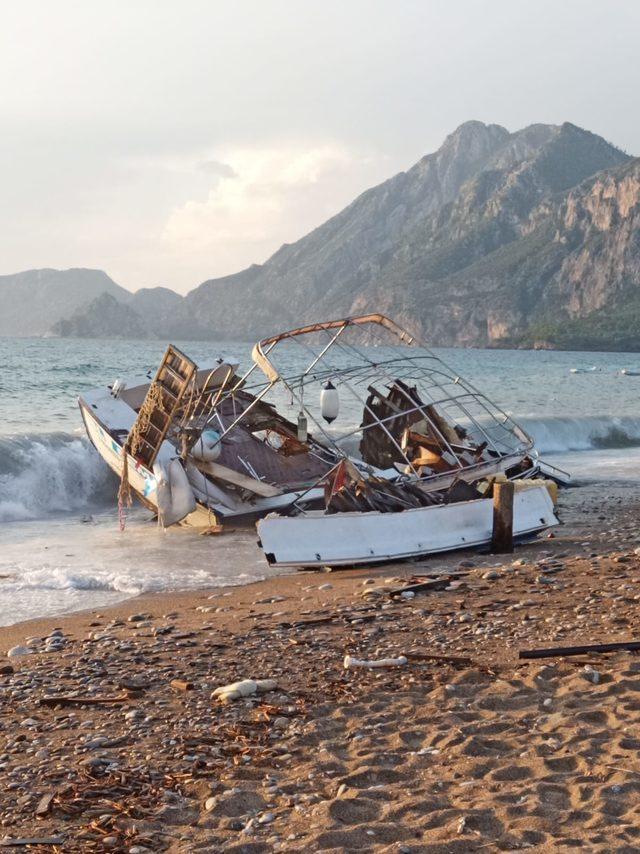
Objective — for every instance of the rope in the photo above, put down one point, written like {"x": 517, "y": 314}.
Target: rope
{"x": 152, "y": 402}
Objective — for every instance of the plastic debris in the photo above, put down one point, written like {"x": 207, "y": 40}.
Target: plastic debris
{"x": 350, "y": 661}
{"x": 244, "y": 688}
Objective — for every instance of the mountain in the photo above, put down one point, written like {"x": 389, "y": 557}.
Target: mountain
{"x": 163, "y": 313}
{"x": 148, "y": 313}
{"x": 30, "y": 302}
{"x": 499, "y": 239}
{"x": 411, "y": 246}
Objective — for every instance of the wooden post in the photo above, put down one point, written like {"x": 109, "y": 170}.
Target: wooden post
{"x": 502, "y": 537}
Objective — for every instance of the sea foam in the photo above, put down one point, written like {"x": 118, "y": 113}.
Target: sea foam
{"x": 51, "y": 473}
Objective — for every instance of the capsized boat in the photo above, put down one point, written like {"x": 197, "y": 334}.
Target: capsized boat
{"x": 162, "y": 437}
{"x": 201, "y": 445}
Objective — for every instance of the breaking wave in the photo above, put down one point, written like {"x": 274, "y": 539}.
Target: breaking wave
{"x": 558, "y": 434}
{"x": 58, "y": 473}
{"x": 51, "y": 473}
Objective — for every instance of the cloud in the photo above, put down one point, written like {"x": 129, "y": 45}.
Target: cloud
{"x": 264, "y": 196}
{"x": 215, "y": 167}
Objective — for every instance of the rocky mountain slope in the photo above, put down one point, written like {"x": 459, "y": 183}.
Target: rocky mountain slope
{"x": 431, "y": 246}
{"x": 529, "y": 238}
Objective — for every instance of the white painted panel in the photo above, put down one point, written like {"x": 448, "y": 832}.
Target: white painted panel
{"x": 348, "y": 538}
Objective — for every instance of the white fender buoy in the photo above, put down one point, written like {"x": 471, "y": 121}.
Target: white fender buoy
{"x": 175, "y": 496}
{"x": 208, "y": 446}
{"x": 329, "y": 402}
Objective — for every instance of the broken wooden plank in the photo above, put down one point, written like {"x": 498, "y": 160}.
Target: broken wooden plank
{"x": 44, "y": 804}
{"x": 229, "y": 475}
{"x": 66, "y": 700}
{"x": 182, "y": 685}
{"x": 561, "y": 651}
{"x": 31, "y": 840}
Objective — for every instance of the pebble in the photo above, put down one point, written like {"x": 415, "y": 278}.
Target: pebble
{"x": 134, "y": 715}
{"x": 138, "y": 618}
{"x": 17, "y": 651}
{"x": 591, "y": 675}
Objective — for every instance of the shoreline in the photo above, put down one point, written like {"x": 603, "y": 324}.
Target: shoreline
{"x": 111, "y": 737}
{"x": 244, "y": 540}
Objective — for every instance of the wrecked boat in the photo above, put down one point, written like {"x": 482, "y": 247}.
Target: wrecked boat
{"x": 162, "y": 438}
{"x": 201, "y": 445}
{"x": 316, "y": 538}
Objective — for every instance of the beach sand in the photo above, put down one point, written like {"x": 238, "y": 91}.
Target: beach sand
{"x": 490, "y": 753}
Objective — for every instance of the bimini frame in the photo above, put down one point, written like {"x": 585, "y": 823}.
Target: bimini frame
{"x": 456, "y": 400}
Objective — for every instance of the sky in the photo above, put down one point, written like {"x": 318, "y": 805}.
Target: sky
{"x": 172, "y": 142}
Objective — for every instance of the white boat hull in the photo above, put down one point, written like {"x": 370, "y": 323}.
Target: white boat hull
{"x": 144, "y": 484}
{"x": 348, "y": 539}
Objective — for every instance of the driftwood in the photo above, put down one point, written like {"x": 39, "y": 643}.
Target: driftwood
{"x": 330, "y": 618}
{"x": 44, "y": 804}
{"x": 31, "y": 840}
{"x": 561, "y": 651}
{"x": 66, "y": 700}
{"x": 443, "y": 659}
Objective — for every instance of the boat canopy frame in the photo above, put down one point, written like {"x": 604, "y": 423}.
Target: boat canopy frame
{"x": 439, "y": 395}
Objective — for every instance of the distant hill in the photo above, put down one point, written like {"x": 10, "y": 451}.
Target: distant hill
{"x": 496, "y": 239}
{"x": 104, "y": 317}
{"x": 31, "y": 302}
{"x": 147, "y": 313}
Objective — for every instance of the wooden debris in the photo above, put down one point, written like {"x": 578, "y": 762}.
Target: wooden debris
{"x": 66, "y": 700}
{"x": 182, "y": 685}
{"x": 31, "y": 840}
{"x": 214, "y": 530}
{"x": 44, "y": 804}
{"x": 553, "y": 651}
{"x": 443, "y": 659}
{"x": 502, "y": 537}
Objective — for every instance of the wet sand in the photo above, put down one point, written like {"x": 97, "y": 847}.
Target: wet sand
{"x": 110, "y": 739}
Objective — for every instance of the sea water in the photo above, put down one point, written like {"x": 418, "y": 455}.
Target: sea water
{"x": 60, "y": 545}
